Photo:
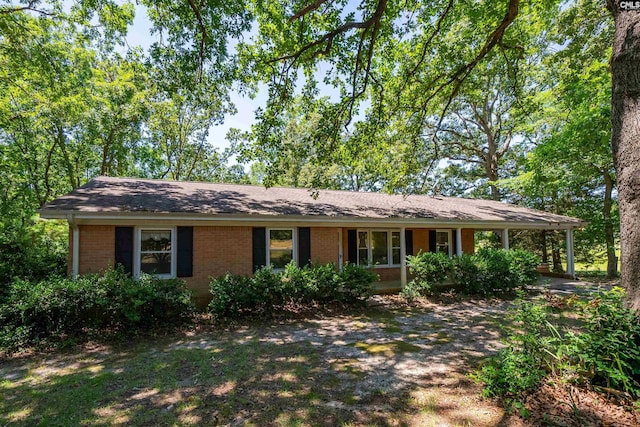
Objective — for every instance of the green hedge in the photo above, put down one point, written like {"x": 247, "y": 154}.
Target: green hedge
{"x": 268, "y": 290}
{"x": 488, "y": 271}
{"x": 61, "y": 307}
{"x": 605, "y": 352}
{"x": 32, "y": 252}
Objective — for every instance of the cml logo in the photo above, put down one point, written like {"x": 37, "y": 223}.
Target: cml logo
{"x": 630, "y": 5}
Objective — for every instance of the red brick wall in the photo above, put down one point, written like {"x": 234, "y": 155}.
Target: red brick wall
{"x": 97, "y": 248}
{"x": 468, "y": 241}
{"x": 217, "y": 251}
{"x": 420, "y": 240}
{"x": 389, "y": 273}
{"x": 324, "y": 245}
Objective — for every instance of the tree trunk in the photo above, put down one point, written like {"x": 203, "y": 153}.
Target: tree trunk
{"x": 555, "y": 254}
{"x": 625, "y": 141}
{"x": 491, "y": 167}
{"x": 612, "y": 260}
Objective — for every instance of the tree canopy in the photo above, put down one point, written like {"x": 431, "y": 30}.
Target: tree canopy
{"x": 506, "y": 99}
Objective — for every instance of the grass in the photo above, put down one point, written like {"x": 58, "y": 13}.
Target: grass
{"x": 259, "y": 375}
{"x": 172, "y": 386}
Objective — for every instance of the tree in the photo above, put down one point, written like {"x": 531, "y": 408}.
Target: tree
{"x": 480, "y": 129}
{"x": 355, "y": 49}
{"x": 625, "y": 140}
{"x": 570, "y": 170}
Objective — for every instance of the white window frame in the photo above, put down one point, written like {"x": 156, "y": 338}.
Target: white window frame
{"x": 138, "y": 251}
{"x": 450, "y": 240}
{"x": 294, "y": 242}
{"x": 389, "y": 232}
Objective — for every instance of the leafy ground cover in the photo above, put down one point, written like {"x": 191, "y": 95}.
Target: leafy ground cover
{"x": 391, "y": 363}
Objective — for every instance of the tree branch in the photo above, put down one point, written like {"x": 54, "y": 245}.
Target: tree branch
{"x": 203, "y": 30}
{"x": 309, "y": 8}
{"x": 6, "y": 10}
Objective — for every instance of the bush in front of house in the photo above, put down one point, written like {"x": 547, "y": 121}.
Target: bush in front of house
{"x": 491, "y": 271}
{"x": 603, "y": 352}
{"x": 488, "y": 271}
{"x": 268, "y": 290}
{"x": 428, "y": 269}
{"x": 67, "y": 308}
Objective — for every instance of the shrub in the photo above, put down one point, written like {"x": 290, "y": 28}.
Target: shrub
{"x": 31, "y": 253}
{"x": 61, "y": 307}
{"x": 428, "y": 269}
{"x": 354, "y": 283}
{"x": 523, "y": 267}
{"x": 521, "y": 364}
{"x": 495, "y": 270}
{"x": 267, "y": 290}
{"x": 484, "y": 273}
{"x": 606, "y": 352}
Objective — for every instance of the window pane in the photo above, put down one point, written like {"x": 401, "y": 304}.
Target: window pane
{"x": 395, "y": 239}
{"x": 442, "y": 237}
{"x": 362, "y": 239}
{"x": 379, "y": 247}
{"x": 280, "y": 247}
{"x": 155, "y": 263}
{"x": 363, "y": 256}
{"x": 396, "y": 255}
{"x": 280, "y": 257}
{"x": 442, "y": 241}
{"x": 281, "y": 238}
{"x": 155, "y": 240}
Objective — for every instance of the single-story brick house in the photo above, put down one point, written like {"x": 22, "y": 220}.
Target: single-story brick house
{"x": 195, "y": 230}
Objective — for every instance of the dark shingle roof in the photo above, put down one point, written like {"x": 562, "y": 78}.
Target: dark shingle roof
{"x": 129, "y": 195}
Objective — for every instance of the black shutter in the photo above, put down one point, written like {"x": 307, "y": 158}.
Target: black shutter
{"x": 304, "y": 246}
{"x": 124, "y": 248}
{"x": 259, "y": 248}
{"x": 185, "y": 252}
{"x": 454, "y": 242}
{"x": 408, "y": 240}
{"x": 352, "y": 246}
{"x": 432, "y": 240}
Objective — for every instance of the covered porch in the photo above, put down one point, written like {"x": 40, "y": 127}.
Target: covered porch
{"x": 390, "y": 285}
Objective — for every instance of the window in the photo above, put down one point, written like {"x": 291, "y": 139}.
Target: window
{"x": 280, "y": 245}
{"x": 443, "y": 241}
{"x": 379, "y": 247}
{"x": 363, "y": 248}
{"x": 395, "y": 247}
{"x": 156, "y": 254}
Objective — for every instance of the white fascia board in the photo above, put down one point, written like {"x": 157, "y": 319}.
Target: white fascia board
{"x": 115, "y": 218}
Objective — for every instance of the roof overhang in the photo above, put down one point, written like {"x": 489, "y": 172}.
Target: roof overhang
{"x": 160, "y": 218}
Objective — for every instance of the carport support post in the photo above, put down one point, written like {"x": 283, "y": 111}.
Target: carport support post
{"x": 571, "y": 270}
{"x": 459, "y": 242}
{"x": 505, "y": 238}
{"x": 403, "y": 261}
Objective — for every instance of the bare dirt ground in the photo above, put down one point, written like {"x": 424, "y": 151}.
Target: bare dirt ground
{"x": 388, "y": 364}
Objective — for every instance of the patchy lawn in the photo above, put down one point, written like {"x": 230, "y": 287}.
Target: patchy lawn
{"x": 387, "y": 365}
